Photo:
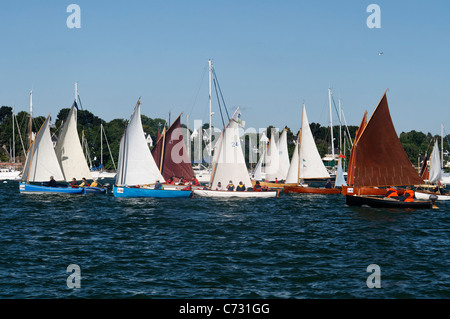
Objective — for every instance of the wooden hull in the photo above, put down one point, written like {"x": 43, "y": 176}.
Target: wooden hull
{"x": 153, "y": 193}
{"x": 271, "y": 185}
{"x": 382, "y": 202}
{"x": 227, "y": 194}
{"x": 311, "y": 190}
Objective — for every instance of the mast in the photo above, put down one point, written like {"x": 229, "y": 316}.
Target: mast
{"x": 31, "y": 117}
{"x": 340, "y": 127}
{"x": 210, "y": 115}
{"x": 13, "y": 140}
{"x": 331, "y": 124}
{"x": 442, "y": 145}
{"x": 76, "y": 92}
{"x": 101, "y": 146}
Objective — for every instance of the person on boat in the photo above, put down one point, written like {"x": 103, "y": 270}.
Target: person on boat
{"x": 328, "y": 184}
{"x": 257, "y": 187}
{"x": 264, "y": 188}
{"x": 158, "y": 185}
{"x": 392, "y": 193}
{"x": 170, "y": 181}
{"x": 240, "y": 187}
{"x": 187, "y": 188}
{"x": 94, "y": 183}
{"x": 74, "y": 183}
{"x": 408, "y": 195}
{"x": 195, "y": 181}
{"x": 84, "y": 183}
{"x": 52, "y": 182}
{"x": 276, "y": 180}
{"x": 182, "y": 181}
{"x": 230, "y": 186}
{"x": 219, "y": 187}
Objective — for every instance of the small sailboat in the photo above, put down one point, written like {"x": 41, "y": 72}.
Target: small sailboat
{"x": 41, "y": 164}
{"x": 70, "y": 154}
{"x": 171, "y": 155}
{"x": 378, "y": 160}
{"x": 229, "y": 165}
{"x": 137, "y": 171}
{"x": 307, "y": 164}
{"x": 434, "y": 178}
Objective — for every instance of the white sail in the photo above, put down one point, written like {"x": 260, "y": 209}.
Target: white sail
{"x": 229, "y": 161}
{"x": 284, "y": 156}
{"x": 136, "y": 164}
{"x": 69, "y": 151}
{"x": 435, "y": 165}
{"x": 340, "y": 180}
{"x": 273, "y": 161}
{"x": 293, "y": 173}
{"x": 310, "y": 162}
{"x": 41, "y": 162}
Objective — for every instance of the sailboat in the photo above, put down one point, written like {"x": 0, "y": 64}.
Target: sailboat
{"x": 137, "y": 170}
{"x": 100, "y": 172}
{"x": 435, "y": 176}
{"x": 306, "y": 163}
{"x": 276, "y": 161}
{"x": 8, "y": 171}
{"x": 41, "y": 163}
{"x": 170, "y": 154}
{"x": 378, "y": 160}
{"x": 229, "y": 165}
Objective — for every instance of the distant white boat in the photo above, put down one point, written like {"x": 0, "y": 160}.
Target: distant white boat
{"x": 9, "y": 174}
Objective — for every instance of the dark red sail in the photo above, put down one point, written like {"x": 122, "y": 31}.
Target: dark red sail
{"x": 171, "y": 155}
{"x": 378, "y": 157}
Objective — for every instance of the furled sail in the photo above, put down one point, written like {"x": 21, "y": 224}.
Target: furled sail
{"x": 69, "y": 151}
{"x": 378, "y": 158}
{"x": 171, "y": 155}
{"x": 136, "y": 164}
{"x": 41, "y": 162}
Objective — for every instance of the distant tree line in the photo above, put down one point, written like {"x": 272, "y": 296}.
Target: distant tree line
{"x": 416, "y": 144}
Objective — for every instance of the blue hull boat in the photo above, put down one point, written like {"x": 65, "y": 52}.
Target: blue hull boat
{"x": 154, "y": 193}
{"x": 38, "y": 189}
{"x": 94, "y": 190}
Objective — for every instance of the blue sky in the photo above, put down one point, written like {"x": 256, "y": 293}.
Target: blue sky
{"x": 268, "y": 56}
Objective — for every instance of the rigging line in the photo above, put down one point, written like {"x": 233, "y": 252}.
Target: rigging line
{"x": 218, "y": 101}
{"x": 198, "y": 91}
{"x": 223, "y": 100}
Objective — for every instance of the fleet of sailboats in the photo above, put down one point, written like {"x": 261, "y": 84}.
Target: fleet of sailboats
{"x": 377, "y": 161}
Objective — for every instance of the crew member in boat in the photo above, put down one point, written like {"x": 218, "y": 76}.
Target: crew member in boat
{"x": 257, "y": 187}
{"x": 73, "y": 184}
{"x": 195, "y": 181}
{"x": 408, "y": 195}
{"x": 94, "y": 183}
{"x": 230, "y": 186}
{"x": 187, "y": 188}
{"x": 392, "y": 193}
{"x": 52, "y": 182}
{"x": 219, "y": 187}
{"x": 240, "y": 187}
{"x": 84, "y": 183}
{"x": 158, "y": 185}
{"x": 328, "y": 184}
{"x": 170, "y": 181}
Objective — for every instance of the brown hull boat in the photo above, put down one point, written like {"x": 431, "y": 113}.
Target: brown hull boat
{"x": 311, "y": 190}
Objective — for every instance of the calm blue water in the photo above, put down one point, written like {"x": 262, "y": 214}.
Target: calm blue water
{"x": 295, "y": 246}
